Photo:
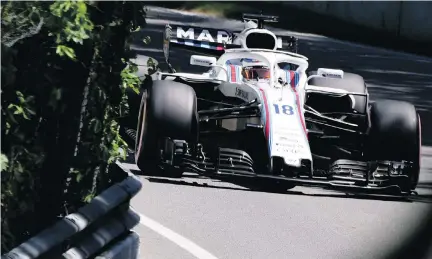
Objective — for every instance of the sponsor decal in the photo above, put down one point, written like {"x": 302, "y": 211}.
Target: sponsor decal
{"x": 328, "y": 72}
{"x": 204, "y": 35}
{"x": 288, "y": 139}
{"x": 204, "y": 62}
{"x": 331, "y": 75}
{"x": 283, "y": 138}
{"x": 189, "y": 34}
{"x": 288, "y": 134}
{"x": 287, "y": 150}
{"x": 290, "y": 145}
{"x": 241, "y": 93}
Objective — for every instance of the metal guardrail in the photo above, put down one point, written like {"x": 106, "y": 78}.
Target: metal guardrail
{"x": 100, "y": 229}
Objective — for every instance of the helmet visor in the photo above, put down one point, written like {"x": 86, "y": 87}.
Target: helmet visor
{"x": 256, "y": 73}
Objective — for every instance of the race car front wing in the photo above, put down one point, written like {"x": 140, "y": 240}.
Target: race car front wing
{"x": 373, "y": 177}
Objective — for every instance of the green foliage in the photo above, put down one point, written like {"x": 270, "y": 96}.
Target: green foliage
{"x": 73, "y": 19}
{"x": 65, "y": 70}
{"x": 3, "y": 162}
{"x": 129, "y": 76}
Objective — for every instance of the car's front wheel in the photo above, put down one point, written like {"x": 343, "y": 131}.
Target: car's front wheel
{"x": 395, "y": 135}
{"x": 167, "y": 109}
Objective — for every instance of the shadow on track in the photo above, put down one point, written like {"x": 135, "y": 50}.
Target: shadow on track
{"x": 192, "y": 180}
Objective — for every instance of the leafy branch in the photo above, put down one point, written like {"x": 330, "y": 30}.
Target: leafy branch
{"x": 65, "y": 71}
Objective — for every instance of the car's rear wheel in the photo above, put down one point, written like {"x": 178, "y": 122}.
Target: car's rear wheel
{"x": 395, "y": 135}
{"x": 167, "y": 109}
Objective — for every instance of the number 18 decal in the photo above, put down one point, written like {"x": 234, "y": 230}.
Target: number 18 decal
{"x": 285, "y": 109}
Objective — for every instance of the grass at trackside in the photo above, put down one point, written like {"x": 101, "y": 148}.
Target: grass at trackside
{"x": 296, "y": 19}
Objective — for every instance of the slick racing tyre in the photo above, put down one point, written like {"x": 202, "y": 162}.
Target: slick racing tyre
{"x": 395, "y": 135}
{"x": 128, "y": 123}
{"x": 168, "y": 109}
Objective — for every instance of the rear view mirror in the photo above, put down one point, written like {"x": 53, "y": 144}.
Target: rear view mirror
{"x": 203, "y": 61}
{"x": 328, "y": 72}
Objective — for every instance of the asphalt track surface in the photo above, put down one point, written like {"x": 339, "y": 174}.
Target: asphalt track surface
{"x": 195, "y": 217}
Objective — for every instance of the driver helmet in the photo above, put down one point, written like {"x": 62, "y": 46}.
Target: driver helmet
{"x": 255, "y": 70}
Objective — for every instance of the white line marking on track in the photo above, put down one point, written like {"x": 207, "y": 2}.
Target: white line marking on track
{"x": 179, "y": 240}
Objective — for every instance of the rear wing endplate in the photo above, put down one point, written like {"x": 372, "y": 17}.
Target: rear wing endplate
{"x": 203, "y": 40}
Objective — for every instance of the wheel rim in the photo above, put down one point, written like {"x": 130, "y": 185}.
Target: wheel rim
{"x": 420, "y": 140}
{"x": 141, "y": 126}
{"x": 415, "y": 177}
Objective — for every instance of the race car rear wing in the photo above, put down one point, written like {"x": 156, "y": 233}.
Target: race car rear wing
{"x": 204, "y": 38}
{"x": 215, "y": 40}
{"x": 211, "y": 42}
{"x": 206, "y": 41}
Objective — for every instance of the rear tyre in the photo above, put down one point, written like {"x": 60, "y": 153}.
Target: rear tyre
{"x": 395, "y": 135}
{"x": 167, "y": 109}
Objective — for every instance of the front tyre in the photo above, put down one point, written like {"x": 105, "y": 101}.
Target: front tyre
{"x": 395, "y": 135}
{"x": 167, "y": 109}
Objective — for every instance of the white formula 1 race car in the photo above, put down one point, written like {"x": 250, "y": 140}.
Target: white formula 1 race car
{"x": 258, "y": 113}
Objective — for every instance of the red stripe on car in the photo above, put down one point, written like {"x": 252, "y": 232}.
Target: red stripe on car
{"x": 233, "y": 73}
{"x": 293, "y": 86}
{"x": 267, "y": 114}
